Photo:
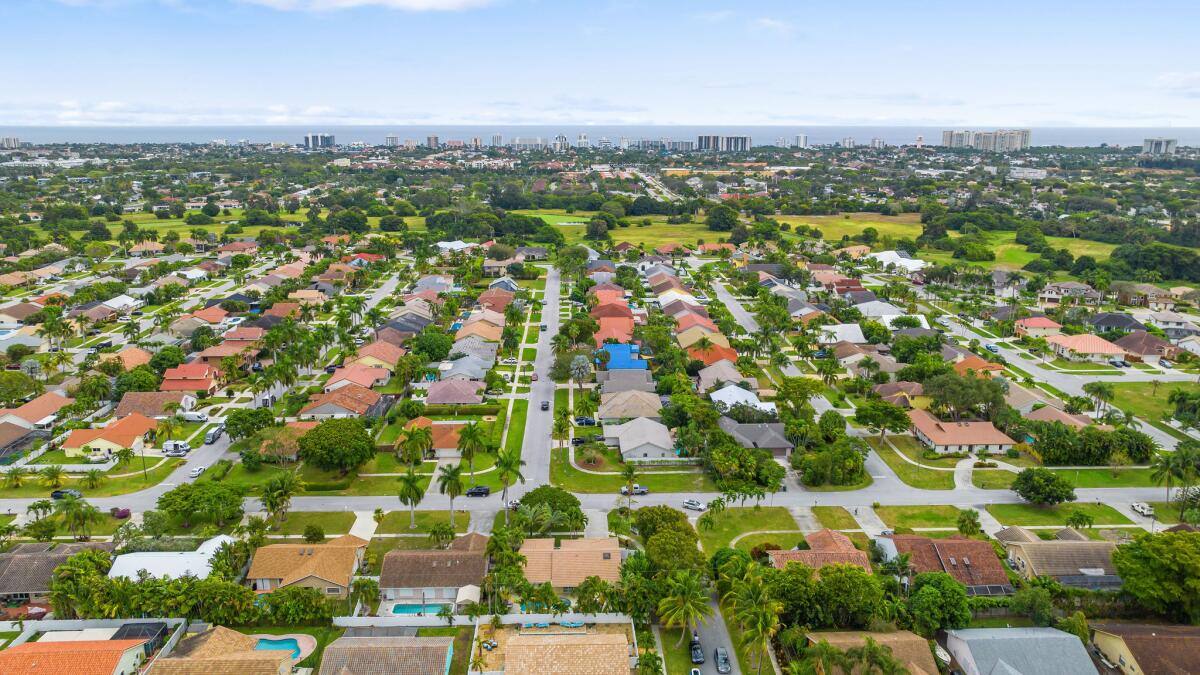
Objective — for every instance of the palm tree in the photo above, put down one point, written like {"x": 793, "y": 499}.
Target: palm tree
{"x": 130, "y": 330}
{"x": 562, "y": 425}
{"x": 53, "y": 476}
{"x": 167, "y": 428}
{"x": 1177, "y": 467}
{"x": 410, "y": 494}
{"x": 92, "y": 479}
{"x": 1100, "y": 392}
{"x": 685, "y": 602}
{"x": 124, "y": 455}
{"x": 875, "y": 658}
{"x": 470, "y": 442}
{"x": 629, "y": 474}
{"x": 822, "y": 658}
{"x": 508, "y": 469}
{"x": 450, "y": 483}
{"x": 441, "y": 534}
{"x": 417, "y": 442}
{"x": 15, "y": 476}
{"x": 277, "y": 493}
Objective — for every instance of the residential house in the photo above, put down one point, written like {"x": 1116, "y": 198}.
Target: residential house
{"x": 719, "y": 374}
{"x": 77, "y": 657}
{"x": 758, "y": 435}
{"x": 470, "y": 346}
{"x": 348, "y": 400}
{"x": 1028, "y": 651}
{"x": 591, "y": 653}
{"x": 328, "y": 567}
{"x": 444, "y": 436}
{"x": 154, "y": 404}
{"x": 567, "y": 562}
{"x": 623, "y": 357}
{"x": 196, "y": 377}
{"x": 18, "y": 312}
{"x": 454, "y": 392}
{"x": 482, "y": 329}
{"x": 1084, "y": 347}
{"x": 910, "y": 649}
{"x": 378, "y": 655}
{"x": 134, "y": 431}
{"x": 1050, "y": 413}
{"x": 713, "y": 353}
{"x": 904, "y": 394}
{"x": 848, "y": 353}
{"x": 27, "y": 569}
{"x": 842, "y": 332}
{"x": 978, "y": 366}
{"x": 614, "y": 381}
{"x": 628, "y": 405}
{"x": 901, "y": 261}
{"x": 1137, "y": 648}
{"x": 695, "y": 334}
{"x": 1067, "y": 293}
{"x": 129, "y": 357}
{"x": 640, "y": 438}
{"x": 1177, "y": 326}
{"x": 732, "y": 395}
{"x": 466, "y": 368}
{"x": 363, "y": 376}
{"x": 378, "y": 354}
{"x": 40, "y": 413}
{"x": 1147, "y": 347}
{"x": 1021, "y": 399}
{"x": 973, "y": 563}
{"x": 953, "y": 437}
{"x": 496, "y": 299}
{"x": 221, "y": 651}
{"x": 1080, "y": 564}
{"x": 505, "y": 284}
{"x": 825, "y": 547}
{"x": 1145, "y": 295}
{"x": 617, "y": 330}
{"x": 1036, "y": 326}
{"x": 449, "y": 576}
{"x": 169, "y": 564}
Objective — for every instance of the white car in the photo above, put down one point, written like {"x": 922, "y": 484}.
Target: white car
{"x": 1142, "y": 508}
{"x": 694, "y": 505}
{"x": 196, "y": 471}
{"x": 509, "y": 361}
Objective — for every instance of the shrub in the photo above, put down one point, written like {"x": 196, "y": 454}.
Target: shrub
{"x": 314, "y": 534}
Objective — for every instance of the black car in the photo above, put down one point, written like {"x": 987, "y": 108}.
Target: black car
{"x": 697, "y": 651}
{"x": 578, "y": 440}
{"x": 479, "y": 491}
{"x": 331, "y": 369}
{"x": 721, "y": 657}
{"x": 585, "y": 421}
{"x": 64, "y": 493}
{"x": 545, "y": 405}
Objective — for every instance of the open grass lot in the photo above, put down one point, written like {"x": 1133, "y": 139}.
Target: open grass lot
{"x": 925, "y": 478}
{"x": 1011, "y": 255}
{"x": 867, "y": 480}
{"x": 1105, "y": 477}
{"x": 733, "y": 521}
{"x": 1030, "y": 514}
{"x": 396, "y": 522}
{"x": 1166, "y": 513}
{"x": 332, "y": 522}
{"x": 1145, "y": 400}
{"x": 677, "y": 658}
{"x": 111, "y": 487}
{"x": 919, "y": 516}
{"x": 850, "y": 224}
{"x": 323, "y": 634}
{"x": 835, "y": 518}
{"x": 1084, "y": 366}
{"x": 462, "y": 644}
{"x": 786, "y": 541}
{"x": 574, "y": 226}
{"x": 379, "y": 547}
{"x": 565, "y": 476}
{"x": 992, "y": 479}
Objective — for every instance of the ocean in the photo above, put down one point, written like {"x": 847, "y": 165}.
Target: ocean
{"x": 761, "y": 135}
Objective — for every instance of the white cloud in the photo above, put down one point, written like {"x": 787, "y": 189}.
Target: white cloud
{"x": 405, "y": 5}
{"x": 773, "y": 25}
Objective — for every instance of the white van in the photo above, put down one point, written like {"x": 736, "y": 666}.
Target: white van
{"x": 196, "y": 416}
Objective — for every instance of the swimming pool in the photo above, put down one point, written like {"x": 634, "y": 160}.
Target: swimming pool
{"x": 417, "y": 608}
{"x": 289, "y": 644}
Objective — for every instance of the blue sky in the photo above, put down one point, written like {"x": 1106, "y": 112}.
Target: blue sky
{"x": 164, "y": 62}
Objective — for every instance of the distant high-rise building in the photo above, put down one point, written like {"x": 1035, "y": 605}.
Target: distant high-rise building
{"x": 708, "y": 143}
{"x": 476, "y": 142}
{"x": 920, "y": 142}
{"x": 623, "y": 143}
{"x": 723, "y": 143}
{"x": 781, "y": 142}
{"x": 1000, "y": 140}
{"x": 801, "y": 141}
{"x": 454, "y": 144}
{"x": 529, "y": 143}
{"x": 560, "y": 143}
{"x": 391, "y": 140}
{"x": 497, "y": 140}
{"x": 681, "y": 146}
{"x": 604, "y": 143}
{"x": 848, "y": 142}
{"x": 1159, "y": 146}
{"x": 216, "y": 141}
{"x": 878, "y": 143}
{"x": 410, "y": 144}
{"x": 582, "y": 141}
{"x": 433, "y": 142}
{"x": 318, "y": 141}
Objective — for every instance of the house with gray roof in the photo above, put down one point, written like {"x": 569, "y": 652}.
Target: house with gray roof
{"x": 720, "y": 373}
{"x": 466, "y": 368}
{"x": 26, "y": 569}
{"x": 1013, "y": 651}
{"x": 626, "y": 379}
{"x": 640, "y": 438}
{"x": 767, "y": 435}
{"x": 505, "y": 283}
{"x": 407, "y": 655}
{"x": 473, "y": 345}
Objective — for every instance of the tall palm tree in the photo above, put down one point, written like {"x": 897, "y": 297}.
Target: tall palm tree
{"x": 277, "y": 493}
{"x": 562, "y": 425}
{"x": 822, "y": 658}
{"x": 53, "y": 476}
{"x": 167, "y": 427}
{"x": 92, "y": 479}
{"x": 15, "y": 476}
{"x": 450, "y": 483}
{"x": 410, "y": 494}
{"x": 417, "y": 442}
{"x": 1176, "y": 468}
{"x": 508, "y": 469}
{"x": 685, "y": 602}
{"x": 470, "y": 442}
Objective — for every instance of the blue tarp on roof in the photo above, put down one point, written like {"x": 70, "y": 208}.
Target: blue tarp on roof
{"x": 624, "y": 357}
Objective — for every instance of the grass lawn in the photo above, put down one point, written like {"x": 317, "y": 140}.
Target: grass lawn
{"x": 657, "y": 234}
{"x": 835, "y": 227}
{"x": 911, "y": 474}
{"x": 733, "y": 521}
{"x": 462, "y": 644}
{"x": 564, "y": 475}
{"x": 323, "y": 634}
{"x": 528, "y": 354}
{"x": 379, "y": 547}
{"x": 992, "y": 479}
{"x": 835, "y": 518}
{"x": 918, "y": 516}
{"x": 1064, "y": 364}
{"x": 1030, "y": 514}
{"x": 111, "y": 487}
{"x": 678, "y": 657}
{"x": 396, "y": 522}
{"x": 332, "y": 522}
{"x": 785, "y": 541}
{"x": 1105, "y": 477}
{"x": 1166, "y": 513}
{"x": 1146, "y": 401}
{"x": 516, "y": 425}
{"x": 867, "y": 480}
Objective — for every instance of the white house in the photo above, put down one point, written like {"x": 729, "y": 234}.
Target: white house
{"x": 123, "y": 304}
{"x": 731, "y": 395}
{"x": 841, "y": 332}
{"x": 900, "y": 260}
{"x": 169, "y": 564}
{"x": 640, "y": 438}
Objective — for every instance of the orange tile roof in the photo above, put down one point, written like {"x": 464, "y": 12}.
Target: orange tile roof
{"x": 1038, "y": 322}
{"x": 973, "y": 363}
{"x": 42, "y": 407}
{"x": 123, "y": 432}
{"x": 826, "y": 547}
{"x": 1085, "y": 344}
{"x": 352, "y": 397}
{"x": 212, "y": 314}
{"x": 384, "y": 351}
{"x": 619, "y": 329}
{"x": 83, "y": 657}
{"x": 957, "y": 433}
{"x": 572, "y": 562}
{"x": 445, "y": 434}
{"x": 130, "y": 357}
{"x": 363, "y": 376}
{"x": 713, "y": 354}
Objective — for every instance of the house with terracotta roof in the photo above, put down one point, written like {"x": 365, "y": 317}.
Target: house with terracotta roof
{"x": 74, "y": 657}
{"x": 482, "y": 329}
{"x": 825, "y": 547}
{"x": 973, "y": 563}
{"x": 196, "y": 376}
{"x": 972, "y": 363}
{"x": 284, "y": 310}
{"x": 212, "y": 316}
{"x": 614, "y": 330}
{"x": 566, "y": 564}
{"x": 327, "y": 567}
{"x": 1049, "y": 413}
{"x": 130, "y": 357}
{"x": 363, "y": 376}
{"x": 713, "y": 353}
{"x": 307, "y": 296}
{"x": 349, "y": 400}
{"x": 612, "y": 310}
{"x": 39, "y": 413}
{"x": 689, "y": 320}
{"x": 951, "y": 437}
{"x": 134, "y": 431}
{"x": 495, "y": 299}
{"x": 154, "y": 404}
{"x": 1036, "y": 326}
{"x": 378, "y": 354}
{"x": 1084, "y": 347}
{"x": 445, "y": 435}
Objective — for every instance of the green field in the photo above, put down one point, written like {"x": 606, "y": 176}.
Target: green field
{"x": 786, "y": 541}
{"x": 397, "y": 522}
{"x": 1011, "y": 255}
{"x": 850, "y": 224}
{"x": 658, "y": 233}
{"x": 925, "y": 478}
{"x": 1147, "y": 401}
{"x": 566, "y": 476}
{"x": 835, "y": 518}
{"x": 918, "y": 516}
{"x": 992, "y": 479}
{"x": 1030, "y": 514}
{"x": 332, "y": 522}
{"x": 733, "y": 521}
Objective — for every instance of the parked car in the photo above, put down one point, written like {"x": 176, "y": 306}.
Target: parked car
{"x": 176, "y": 445}
{"x": 545, "y": 328}
{"x": 696, "y": 649}
{"x": 510, "y": 361}
{"x": 119, "y": 513}
{"x": 992, "y": 348}
{"x": 479, "y": 491}
{"x": 1116, "y": 363}
{"x": 213, "y": 435}
{"x": 694, "y": 505}
{"x": 514, "y": 504}
{"x": 694, "y": 671}
{"x": 175, "y": 453}
{"x": 197, "y": 470}
{"x": 545, "y": 405}
{"x": 721, "y": 657}
{"x": 1165, "y": 363}
{"x": 1143, "y": 508}
{"x": 534, "y": 377}
{"x": 637, "y": 489}
{"x": 578, "y": 440}
{"x": 585, "y": 421}
{"x": 64, "y": 493}
{"x": 331, "y": 369}
{"x": 194, "y": 416}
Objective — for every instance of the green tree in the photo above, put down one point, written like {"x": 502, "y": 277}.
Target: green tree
{"x": 1034, "y": 602}
{"x": 410, "y": 494}
{"x": 938, "y": 602}
{"x": 1043, "y": 487}
{"x": 450, "y": 483}
{"x": 684, "y": 602}
{"x": 337, "y": 444}
{"x": 968, "y": 522}
{"x": 471, "y": 441}
{"x": 277, "y": 494}
{"x": 1163, "y": 572}
{"x": 508, "y": 469}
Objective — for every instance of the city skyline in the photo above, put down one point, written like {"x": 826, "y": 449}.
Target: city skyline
{"x": 240, "y": 62}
